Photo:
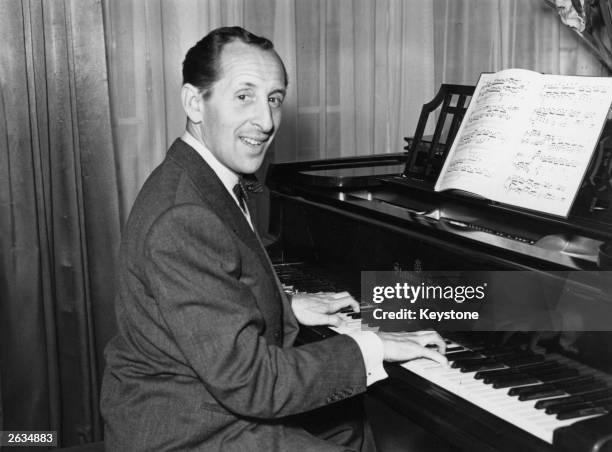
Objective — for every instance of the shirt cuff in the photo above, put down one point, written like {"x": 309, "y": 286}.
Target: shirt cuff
{"x": 371, "y": 347}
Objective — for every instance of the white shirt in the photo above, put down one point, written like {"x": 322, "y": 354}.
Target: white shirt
{"x": 228, "y": 178}
{"x": 369, "y": 343}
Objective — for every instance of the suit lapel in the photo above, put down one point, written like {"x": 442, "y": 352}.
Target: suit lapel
{"x": 212, "y": 190}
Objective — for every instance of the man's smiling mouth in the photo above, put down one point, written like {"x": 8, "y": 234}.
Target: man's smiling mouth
{"x": 252, "y": 141}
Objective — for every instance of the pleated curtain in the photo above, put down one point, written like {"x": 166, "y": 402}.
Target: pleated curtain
{"x": 59, "y": 216}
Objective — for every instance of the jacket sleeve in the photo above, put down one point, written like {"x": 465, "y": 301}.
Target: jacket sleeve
{"x": 193, "y": 266}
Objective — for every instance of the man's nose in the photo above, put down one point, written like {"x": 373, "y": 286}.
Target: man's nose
{"x": 263, "y": 118}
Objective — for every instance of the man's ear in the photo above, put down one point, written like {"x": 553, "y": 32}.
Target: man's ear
{"x": 192, "y": 101}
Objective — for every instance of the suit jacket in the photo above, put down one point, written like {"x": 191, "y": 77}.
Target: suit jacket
{"x": 203, "y": 359}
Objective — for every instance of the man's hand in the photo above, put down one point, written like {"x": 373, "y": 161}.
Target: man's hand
{"x": 418, "y": 344}
{"x": 321, "y": 308}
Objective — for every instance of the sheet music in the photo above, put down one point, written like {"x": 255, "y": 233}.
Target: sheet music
{"x": 490, "y": 124}
{"x": 527, "y": 138}
{"x": 557, "y": 145}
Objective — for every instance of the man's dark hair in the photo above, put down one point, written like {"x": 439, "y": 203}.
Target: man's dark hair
{"x": 202, "y": 62}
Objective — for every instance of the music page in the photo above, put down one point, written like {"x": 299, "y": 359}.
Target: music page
{"x": 527, "y": 138}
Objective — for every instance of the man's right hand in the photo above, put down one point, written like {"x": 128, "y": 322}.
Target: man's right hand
{"x": 418, "y": 344}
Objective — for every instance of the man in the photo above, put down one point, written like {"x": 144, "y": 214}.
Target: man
{"x": 204, "y": 357}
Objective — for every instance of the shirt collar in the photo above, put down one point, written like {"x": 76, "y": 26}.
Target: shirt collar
{"x": 228, "y": 178}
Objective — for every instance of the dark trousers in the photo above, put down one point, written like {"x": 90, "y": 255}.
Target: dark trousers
{"x": 343, "y": 423}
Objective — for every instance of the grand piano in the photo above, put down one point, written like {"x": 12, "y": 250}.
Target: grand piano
{"x": 528, "y": 391}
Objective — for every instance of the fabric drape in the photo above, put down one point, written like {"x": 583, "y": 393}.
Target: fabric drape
{"x": 58, "y": 214}
{"x": 475, "y": 36}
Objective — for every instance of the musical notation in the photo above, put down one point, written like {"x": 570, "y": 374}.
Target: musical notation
{"x": 528, "y": 162}
{"x": 533, "y": 188}
{"x": 481, "y": 135}
{"x": 562, "y": 117}
{"x": 470, "y": 166}
{"x": 539, "y": 140}
{"x": 493, "y": 112}
{"x": 541, "y": 168}
{"x": 572, "y": 91}
{"x": 502, "y": 88}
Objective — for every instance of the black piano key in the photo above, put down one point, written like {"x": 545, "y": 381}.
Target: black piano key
{"x": 591, "y": 411}
{"x": 541, "y": 395}
{"x": 589, "y": 396}
{"x": 482, "y": 352}
{"x": 481, "y": 366}
{"x": 516, "y": 381}
{"x": 564, "y": 406}
{"x": 523, "y": 359}
{"x": 561, "y": 371}
{"x": 499, "y": 363}
{"x": 587, "y": 387}
{"x": 499, "y": 352}
{"x": 483, "y": 374}
{"x": 516, "y": 370}
{"x": 559, "y": 391}
{"x": 458, "y": 363}
{"x": 548, "y": 377}
{"x": 465, "y": 354}
{"x": 454, "y": 348}
{"x": 502, "y": 376}
{"x": 543, "y": 404}
{"x": 528, "y": 393}
{"x": 554, "y": 376}
{"x": 533, "y": 371}
{"x": 585, "y": 409}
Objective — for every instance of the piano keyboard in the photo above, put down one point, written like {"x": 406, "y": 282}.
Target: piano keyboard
{"x": 545, "y": 381}
{"x": 534, "y": 391}
{"x": 497, "y": 401}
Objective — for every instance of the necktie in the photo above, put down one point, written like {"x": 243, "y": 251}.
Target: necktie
{"x": 252, "y": 185}
{"x": 241, "y": 195}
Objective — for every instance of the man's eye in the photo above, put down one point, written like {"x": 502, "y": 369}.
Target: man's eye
{"x": 275, "y": 101}
{"x": 244, "y": 97}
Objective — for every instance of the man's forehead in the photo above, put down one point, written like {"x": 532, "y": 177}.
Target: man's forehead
{"x": 246, "y": 63}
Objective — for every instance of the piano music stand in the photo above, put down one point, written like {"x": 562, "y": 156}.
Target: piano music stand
{"x": 425, "y": 157}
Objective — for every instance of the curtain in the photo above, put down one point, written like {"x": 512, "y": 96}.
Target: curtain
{"x": 359, "y": 72}
{"x": 59, "y": 223}
{"x": 475, "y": 36}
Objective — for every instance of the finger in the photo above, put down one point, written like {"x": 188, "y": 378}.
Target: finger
{"x": 340, "y": 295}
{"x": 342, "y": 303}
{"x": 434, "y": 356}
{"x": 334, "y": 320}
{"x": 422, "y": 332}
{"x": 433, "y": 340}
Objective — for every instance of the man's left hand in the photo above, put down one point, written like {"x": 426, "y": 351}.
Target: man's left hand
{"x": 321, "y": 308}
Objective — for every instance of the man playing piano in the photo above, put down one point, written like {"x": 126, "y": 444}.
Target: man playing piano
{"x": 204, "y": 358}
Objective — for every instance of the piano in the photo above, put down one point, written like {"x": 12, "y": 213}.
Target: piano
{"x": 332, "y": 219}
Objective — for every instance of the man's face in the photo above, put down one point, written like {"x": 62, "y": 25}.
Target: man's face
{"x": 243, "y": 111}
